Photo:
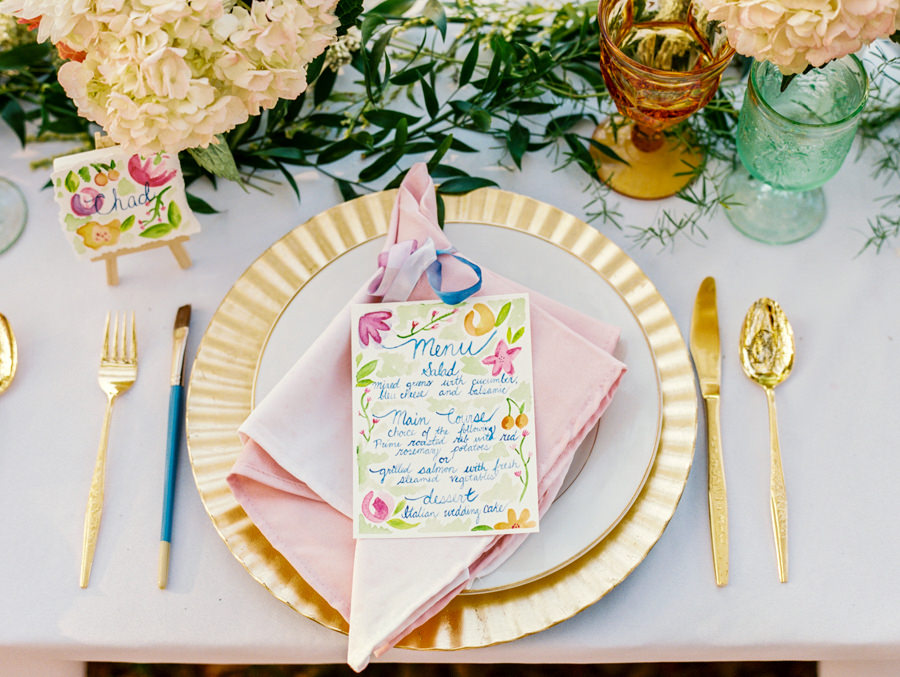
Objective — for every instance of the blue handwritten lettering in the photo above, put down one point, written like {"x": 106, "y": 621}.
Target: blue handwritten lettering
{"x": 431, "y": 348}
{"x": 477, "y": 417}
{"x": 131, "y": 202}
{"x": 441, "y": 499}
{"x": 401, "y": 417}
{"x": 441, "y": 369}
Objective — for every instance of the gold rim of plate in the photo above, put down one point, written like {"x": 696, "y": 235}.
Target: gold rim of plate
{"x": 220, "y": 396}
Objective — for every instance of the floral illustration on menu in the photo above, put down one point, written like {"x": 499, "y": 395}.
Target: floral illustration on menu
{"x": 443, "y": 418}
{"x": 372, "y": 324}
{"x": 513, "y": 521}
{"x": 112, "y": 199}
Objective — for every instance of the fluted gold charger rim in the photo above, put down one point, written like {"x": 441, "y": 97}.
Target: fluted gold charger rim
{"x": 223, "y": 377}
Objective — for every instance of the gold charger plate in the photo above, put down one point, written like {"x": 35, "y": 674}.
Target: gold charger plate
{"x": 221, "y": 390}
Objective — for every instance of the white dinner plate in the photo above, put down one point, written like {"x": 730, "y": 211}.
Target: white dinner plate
{"x": 288, "y": 295}
{"x": 614, "y": 461}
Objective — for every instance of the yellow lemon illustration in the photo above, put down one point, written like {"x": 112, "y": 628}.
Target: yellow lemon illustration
{"x": 485, "y": 320}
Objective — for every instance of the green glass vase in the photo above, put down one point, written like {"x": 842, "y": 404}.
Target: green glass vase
{"x": 790, "y": 143}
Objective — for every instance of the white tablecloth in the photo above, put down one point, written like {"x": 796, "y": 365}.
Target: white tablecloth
{"x": 838, "y": 419}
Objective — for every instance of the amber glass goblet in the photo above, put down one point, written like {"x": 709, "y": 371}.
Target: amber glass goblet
{"x": 662, "y": 62}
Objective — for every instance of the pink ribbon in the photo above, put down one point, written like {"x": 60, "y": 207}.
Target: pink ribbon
{"x": 399, "y": 269}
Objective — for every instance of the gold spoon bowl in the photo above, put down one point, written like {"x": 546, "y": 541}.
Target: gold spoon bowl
{"x": 767, "y": 356}
{"x": 7, "y": 354}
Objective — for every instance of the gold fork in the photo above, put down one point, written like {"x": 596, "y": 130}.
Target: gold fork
{"x": 118, "y": 371}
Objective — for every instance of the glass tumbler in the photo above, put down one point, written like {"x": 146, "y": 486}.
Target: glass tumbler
{"x": 13, "y": 213}
{"x": 790, "y": 143}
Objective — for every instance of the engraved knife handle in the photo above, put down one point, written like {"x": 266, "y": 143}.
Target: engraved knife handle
{"x": 777, "y": 491}
{"x": 718, "y": 498}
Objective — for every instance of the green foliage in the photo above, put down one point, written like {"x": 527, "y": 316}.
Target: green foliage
{"x": 452, "y": 79}
{"x": 30, "y": 93}
{"x": 199, "y": 205}
{"x": 216, "y": 159}
{"x": 880, "y": 130}
{"x": 417, "y": 94}
{"x": 348, "y": 12}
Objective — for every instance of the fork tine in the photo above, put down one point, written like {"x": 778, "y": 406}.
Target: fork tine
{"x": 132, "y": 348}
{"x": 105, "y": 353}
{"x": 116, "y": 350}
{"x": 124, "y": 336}
{"x": 123, "y": 327}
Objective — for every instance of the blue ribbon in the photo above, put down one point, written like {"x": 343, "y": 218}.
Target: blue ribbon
{"x": 435, "y": 278}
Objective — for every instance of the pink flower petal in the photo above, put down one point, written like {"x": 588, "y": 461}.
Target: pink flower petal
{"x": 377, "y": 507}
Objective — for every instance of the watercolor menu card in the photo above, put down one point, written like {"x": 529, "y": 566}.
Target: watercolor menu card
{"x": 111, "y": 199}
{"x": 443, "y": 418}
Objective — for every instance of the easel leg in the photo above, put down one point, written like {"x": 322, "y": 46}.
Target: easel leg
{"x": 112, "y": 271}
{"x": 180, "y": 254}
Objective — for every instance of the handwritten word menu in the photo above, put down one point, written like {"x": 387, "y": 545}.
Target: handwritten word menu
{"x": 443, "y": 418}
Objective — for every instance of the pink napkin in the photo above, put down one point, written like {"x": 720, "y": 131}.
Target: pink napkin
{"x": 294, "y": 475}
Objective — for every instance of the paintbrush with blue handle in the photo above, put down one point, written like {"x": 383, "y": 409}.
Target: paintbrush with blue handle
{"x": 173, "y": 442}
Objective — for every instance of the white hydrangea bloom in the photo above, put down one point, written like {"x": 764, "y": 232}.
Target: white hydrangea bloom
{"x": 172, "y": 74}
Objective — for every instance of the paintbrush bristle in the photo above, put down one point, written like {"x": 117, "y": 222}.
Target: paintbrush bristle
{"x": 183, "y": 318}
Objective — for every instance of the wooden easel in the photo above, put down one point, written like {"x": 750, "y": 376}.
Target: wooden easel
{"x": 176, "y": 246}
{"x": 112, "y": 266}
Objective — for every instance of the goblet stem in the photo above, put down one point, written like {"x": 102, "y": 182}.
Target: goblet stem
{"x": 646, "y": 140}
{"x": 654, "y": 167}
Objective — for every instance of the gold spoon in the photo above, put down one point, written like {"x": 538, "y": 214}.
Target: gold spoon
{"x": 767, "y": 356}
{"x": 7, "y": 354}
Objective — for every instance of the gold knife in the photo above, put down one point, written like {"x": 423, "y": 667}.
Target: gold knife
{"x": 708, "y": 361}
